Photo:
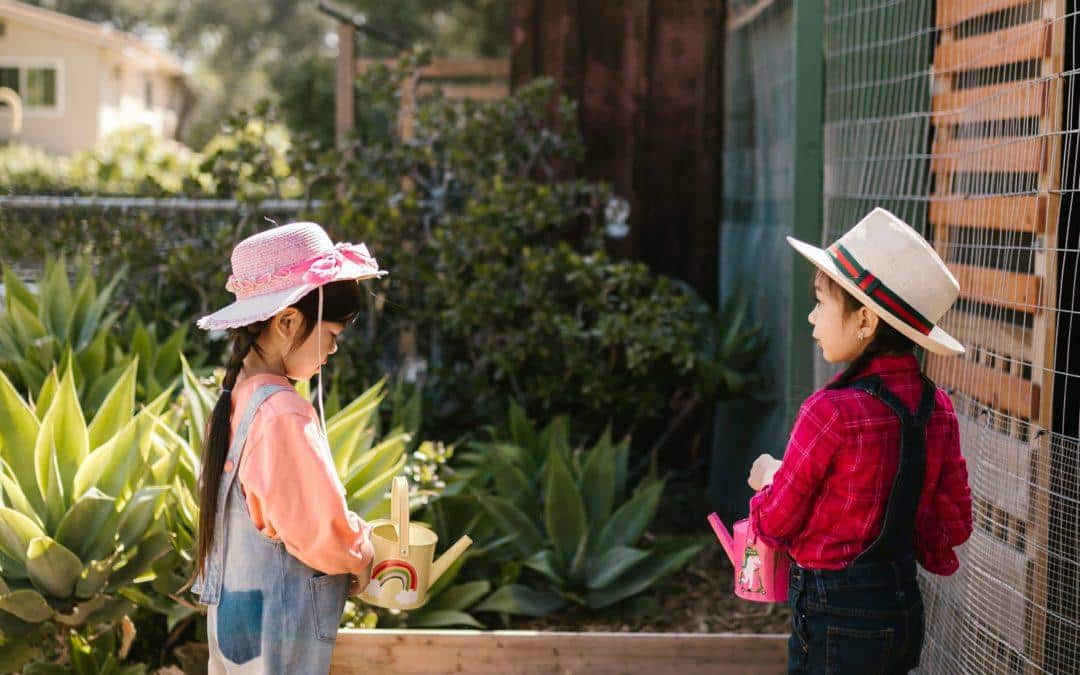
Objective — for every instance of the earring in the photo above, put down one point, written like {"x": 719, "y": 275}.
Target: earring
{"x": 862, "y": 336}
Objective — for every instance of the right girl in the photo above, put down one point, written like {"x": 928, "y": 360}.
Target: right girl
{"x": 872, "y": 479}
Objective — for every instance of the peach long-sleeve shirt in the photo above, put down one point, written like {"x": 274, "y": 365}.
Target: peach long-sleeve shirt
{"x": 290, "y": 484}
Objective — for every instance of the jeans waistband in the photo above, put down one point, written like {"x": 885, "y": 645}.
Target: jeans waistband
{"x": 857, "y": 575}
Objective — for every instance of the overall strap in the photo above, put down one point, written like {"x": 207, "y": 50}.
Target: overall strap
{"x": 232, "y": 461}
{"x": 897, "y": 537}
{"x": 211, "y": 589}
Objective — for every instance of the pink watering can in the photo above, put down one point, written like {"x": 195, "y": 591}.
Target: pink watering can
{"x": 761, "y": 573}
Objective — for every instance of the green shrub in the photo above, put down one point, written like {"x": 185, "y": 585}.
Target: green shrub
{"x": 28, "y": 170}
{"x": 499, "y": 288}
{"x": 133, "y": 161}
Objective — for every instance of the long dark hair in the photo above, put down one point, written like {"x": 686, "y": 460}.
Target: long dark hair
{"x": 341, "y": 304}
{"x": 887, "y": 340}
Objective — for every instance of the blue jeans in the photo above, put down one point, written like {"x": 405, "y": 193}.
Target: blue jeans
{"x": 864, "y": 619}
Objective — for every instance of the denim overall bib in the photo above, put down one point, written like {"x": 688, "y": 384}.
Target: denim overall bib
{"x": 269, "y": 613}
{"x": 868, "y": 617}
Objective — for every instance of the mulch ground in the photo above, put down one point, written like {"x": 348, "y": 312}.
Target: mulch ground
{"x": 698, "y": 600}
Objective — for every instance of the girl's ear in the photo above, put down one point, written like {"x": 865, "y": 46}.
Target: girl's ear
{"x": 287, "y": 323}
{"x": 868, "y": 320}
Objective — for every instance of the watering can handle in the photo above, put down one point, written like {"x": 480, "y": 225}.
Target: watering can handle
{"x": 399, "y": 511}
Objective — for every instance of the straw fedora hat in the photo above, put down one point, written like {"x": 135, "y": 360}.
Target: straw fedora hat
{"x": 274, "y": 269}
{"x": 889, "y": 267}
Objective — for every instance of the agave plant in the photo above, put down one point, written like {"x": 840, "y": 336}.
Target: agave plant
{"x": 573, "y": 520}
{"x": 159, "y": 357}
{"x": 79, "y": 520}
{"x": 38, "y": 329}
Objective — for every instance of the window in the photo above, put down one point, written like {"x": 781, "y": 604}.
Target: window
{"x": 40, "y": 87}
{"x": 37, "y": 82}
{"x": 9, "y": 77}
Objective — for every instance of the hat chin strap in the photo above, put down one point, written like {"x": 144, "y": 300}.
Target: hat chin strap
{"x": 318, "y": 347}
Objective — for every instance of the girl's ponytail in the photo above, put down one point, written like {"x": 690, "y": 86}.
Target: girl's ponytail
{"x": 219, "y": 430}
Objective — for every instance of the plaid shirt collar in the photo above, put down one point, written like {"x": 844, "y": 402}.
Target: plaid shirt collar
{"x": 890, "y": 364}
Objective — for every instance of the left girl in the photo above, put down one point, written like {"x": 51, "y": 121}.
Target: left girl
{"x": 277, "y": 545}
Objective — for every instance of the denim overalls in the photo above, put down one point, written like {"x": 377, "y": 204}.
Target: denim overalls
{"x": 269, "y": 613}
{"x": 868, "y": 617}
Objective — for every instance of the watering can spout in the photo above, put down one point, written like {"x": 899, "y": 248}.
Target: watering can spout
{"x": 724, "y": 536}
{"x": 448, "y": 557}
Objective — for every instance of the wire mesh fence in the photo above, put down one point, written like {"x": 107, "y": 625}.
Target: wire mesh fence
{"x": 961, "y": 117}
{"x": 757, "y": 214}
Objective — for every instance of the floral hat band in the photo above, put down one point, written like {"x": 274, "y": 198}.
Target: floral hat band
{"x": 319, "y": 270}
{"x": 273, "y": 269}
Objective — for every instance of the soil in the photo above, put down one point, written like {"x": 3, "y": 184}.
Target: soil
{"x": 699, "y": 600}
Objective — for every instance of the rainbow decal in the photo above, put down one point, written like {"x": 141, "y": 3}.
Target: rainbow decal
{"x": 395, "y": 569}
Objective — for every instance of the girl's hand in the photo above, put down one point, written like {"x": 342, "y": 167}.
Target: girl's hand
{"x": 360, "y": 581}
{"x": 761, "y": 474}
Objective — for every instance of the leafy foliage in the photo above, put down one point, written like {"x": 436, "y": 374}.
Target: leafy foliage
{"x": 58, "y": 324}
{"x": 570, "y": 523}
{"x": 79, "y": 526}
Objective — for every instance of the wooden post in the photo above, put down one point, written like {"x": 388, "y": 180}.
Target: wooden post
{"x": 345, "y": 100}
{"x": 524, "y": 38}
{"x": 808, "y": 205}
{"x": 1041, "y": 508}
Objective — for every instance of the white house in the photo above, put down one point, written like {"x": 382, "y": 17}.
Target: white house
{"x": 79, "y": 80}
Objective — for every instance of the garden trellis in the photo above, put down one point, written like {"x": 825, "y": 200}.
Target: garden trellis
{"x": 961, "y": 116}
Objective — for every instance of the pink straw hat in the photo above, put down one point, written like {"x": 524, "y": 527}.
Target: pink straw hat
{"x": 272, "y": 270}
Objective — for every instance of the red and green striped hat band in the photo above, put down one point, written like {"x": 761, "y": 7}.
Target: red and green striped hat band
{"x": 879, "y": 292}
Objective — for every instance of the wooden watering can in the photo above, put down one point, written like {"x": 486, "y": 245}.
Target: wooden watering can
{"x": 403, "y": 569}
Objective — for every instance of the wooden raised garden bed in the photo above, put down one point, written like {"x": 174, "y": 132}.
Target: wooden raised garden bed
{"x": 405, "y": 652}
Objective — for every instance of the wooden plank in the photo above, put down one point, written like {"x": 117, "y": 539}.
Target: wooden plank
{"x": 476, "y": 92}
{"x": 1024, "y": 213}
{"x": 451, "y": 69}
{"x": 1020, "y": 43}
{"x": 409, "y": 652}
{"x": 471, "y": 68}
{"x": 1001, "y": 101}
{"x": 989, "y": 154}
{"x": 1004, "y": 340}
{"x": 999, "y": 287}
{"x": 1006, "y": 393}
{"x": 951, "y": 12}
